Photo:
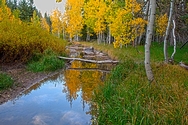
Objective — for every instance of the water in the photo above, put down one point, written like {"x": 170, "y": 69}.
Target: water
{"x": 64, "y": 99}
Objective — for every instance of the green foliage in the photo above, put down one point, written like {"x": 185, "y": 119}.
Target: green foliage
{"x": 5, "y": 81}
{"x": 47, "y": 61}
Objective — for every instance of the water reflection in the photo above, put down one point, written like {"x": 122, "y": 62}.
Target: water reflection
{"x": 64, "y": 99}
{"x": 82, "y": 80}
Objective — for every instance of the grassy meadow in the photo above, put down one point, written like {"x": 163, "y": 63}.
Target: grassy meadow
{"x": 128, "y": 98}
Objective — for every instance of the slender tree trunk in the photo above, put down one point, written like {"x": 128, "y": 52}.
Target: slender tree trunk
{"x": 168, "y": 30}
{"x": 63, "y": 33}
{"x": 174, "y": 36}
{"x": 88, "y": 35}
{"x": 70, "y": 38}
{"x": 58, "y": 34}
{"x": 151, "y": 20}
{"x": 145, "y": 17}
{"x": 109, "y": 36}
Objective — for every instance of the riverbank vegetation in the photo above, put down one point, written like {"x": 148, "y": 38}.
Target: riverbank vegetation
{"x": 128, "y": 98}
{"x": 25, "y": 41}
{"x": 5, "y": 81}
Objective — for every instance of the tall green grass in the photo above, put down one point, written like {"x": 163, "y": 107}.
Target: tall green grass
{"x": 128, "y": 98}
{"x": 46, "y": 61}
{"x": 5, "y": 81}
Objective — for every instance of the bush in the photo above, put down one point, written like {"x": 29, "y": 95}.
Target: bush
{"x": 19, "y": 41}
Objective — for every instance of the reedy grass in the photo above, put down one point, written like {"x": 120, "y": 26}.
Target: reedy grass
{"x": 128, "y": 98}
{"x": 47, "y": 61}
{"x": 5, "y": 81}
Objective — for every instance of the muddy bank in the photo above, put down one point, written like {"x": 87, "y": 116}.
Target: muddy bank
{"x": 23, "y": 79}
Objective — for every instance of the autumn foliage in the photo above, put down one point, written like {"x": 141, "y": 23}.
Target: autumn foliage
{"x": 119, "y": 20}
{"x": 19, "y": 40}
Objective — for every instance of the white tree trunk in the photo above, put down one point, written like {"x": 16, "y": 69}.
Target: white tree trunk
{"x": 146, "y": 8}
{"x": 109, "y": 36}
{"x": 88, "y": 35}
{"x": 174, "y": 36}
{"x": 167, "y": 31}
{"x": 151, "y": 20}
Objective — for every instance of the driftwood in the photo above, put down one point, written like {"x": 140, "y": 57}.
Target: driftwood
{"x": 89, "y": 61}
{"x": 183, "y": 65}
{"x": 90, "y": 69}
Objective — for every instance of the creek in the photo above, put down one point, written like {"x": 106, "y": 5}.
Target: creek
{"x": 63, "y": 99}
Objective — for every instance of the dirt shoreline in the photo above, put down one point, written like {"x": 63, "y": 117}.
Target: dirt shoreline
{"x": 23, "y": 79}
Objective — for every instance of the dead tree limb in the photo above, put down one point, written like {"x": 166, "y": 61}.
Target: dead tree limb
{"x": 90, "y": 69}
{"x": 89, "y": 61}
{"x": 183, "y": 65}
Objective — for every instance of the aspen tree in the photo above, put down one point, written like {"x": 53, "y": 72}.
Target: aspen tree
{"x": 74, "y": 18}
{"x": 45, "y": 25}
{"x": 126, "y": 27}
{"x": 56, "y": 22}
{"x": 168, "y": 30}
{"x": 149, "y": 34}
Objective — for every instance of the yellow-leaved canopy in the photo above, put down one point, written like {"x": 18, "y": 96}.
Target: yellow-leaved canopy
{"x": 58, "y": 1}
{"x": 126, "y": 27}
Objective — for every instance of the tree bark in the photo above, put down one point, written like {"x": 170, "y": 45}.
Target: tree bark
{"x": 151, "y": 20}
{"x": 174, "y": 36}
{"x": 168, "y": 30}
{"x": 145, "y": 17}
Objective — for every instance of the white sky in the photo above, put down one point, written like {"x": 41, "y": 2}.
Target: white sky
{"x": 49, "y": 5}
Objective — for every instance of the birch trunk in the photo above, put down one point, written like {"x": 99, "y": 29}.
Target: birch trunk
{"x": 172, "y": 56}
{"x": 88, "y": 35}
{"x": 151, "y": 20}
{"x": 145, "y": 17}
{"x": 167, "y": 31}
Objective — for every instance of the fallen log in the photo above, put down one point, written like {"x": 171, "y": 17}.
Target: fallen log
{"x": 89, "y": 61}
{"x": 90, "y": 69}
{"x": 183, "y": 65}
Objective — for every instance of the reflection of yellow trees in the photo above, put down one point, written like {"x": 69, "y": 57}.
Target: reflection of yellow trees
{"x": 87, "y": 81}
{"x": 90, "y": 80}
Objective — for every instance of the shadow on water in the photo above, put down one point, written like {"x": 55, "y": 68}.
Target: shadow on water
{"x": 63, "y": 99}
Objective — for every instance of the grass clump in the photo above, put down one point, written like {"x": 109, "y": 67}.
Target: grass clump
{"x": 47, "y": 61}
{"x": 127, "y": 98}
{"x": 5, "y": 81}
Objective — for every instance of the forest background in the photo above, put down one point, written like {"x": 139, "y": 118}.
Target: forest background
{"x": 123, "y": 23}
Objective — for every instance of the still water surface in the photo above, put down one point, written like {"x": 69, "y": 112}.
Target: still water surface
{"x": 64, "y": 99}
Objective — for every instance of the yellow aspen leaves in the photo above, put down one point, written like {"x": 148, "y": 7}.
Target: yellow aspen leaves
{"x": 5, "y": 12}
{"x": 126, "y": 27}
{"x": 56, "y": 22}
{"x": 74, "y": 17}
{"x": 161, "y": 24}
{"x": 45, "y": 25}
{"x": 58, "y": 1}
{"x": 35, "y": 19}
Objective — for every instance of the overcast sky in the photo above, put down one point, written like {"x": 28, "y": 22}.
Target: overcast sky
{"x": 49, "y": 5}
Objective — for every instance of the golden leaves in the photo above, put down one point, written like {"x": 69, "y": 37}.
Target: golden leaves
{"x": 56, "y": 21}
{"x": 161, "y": 24}
{"x": 58, "y": 1}
{"x": 125, "y": 27}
